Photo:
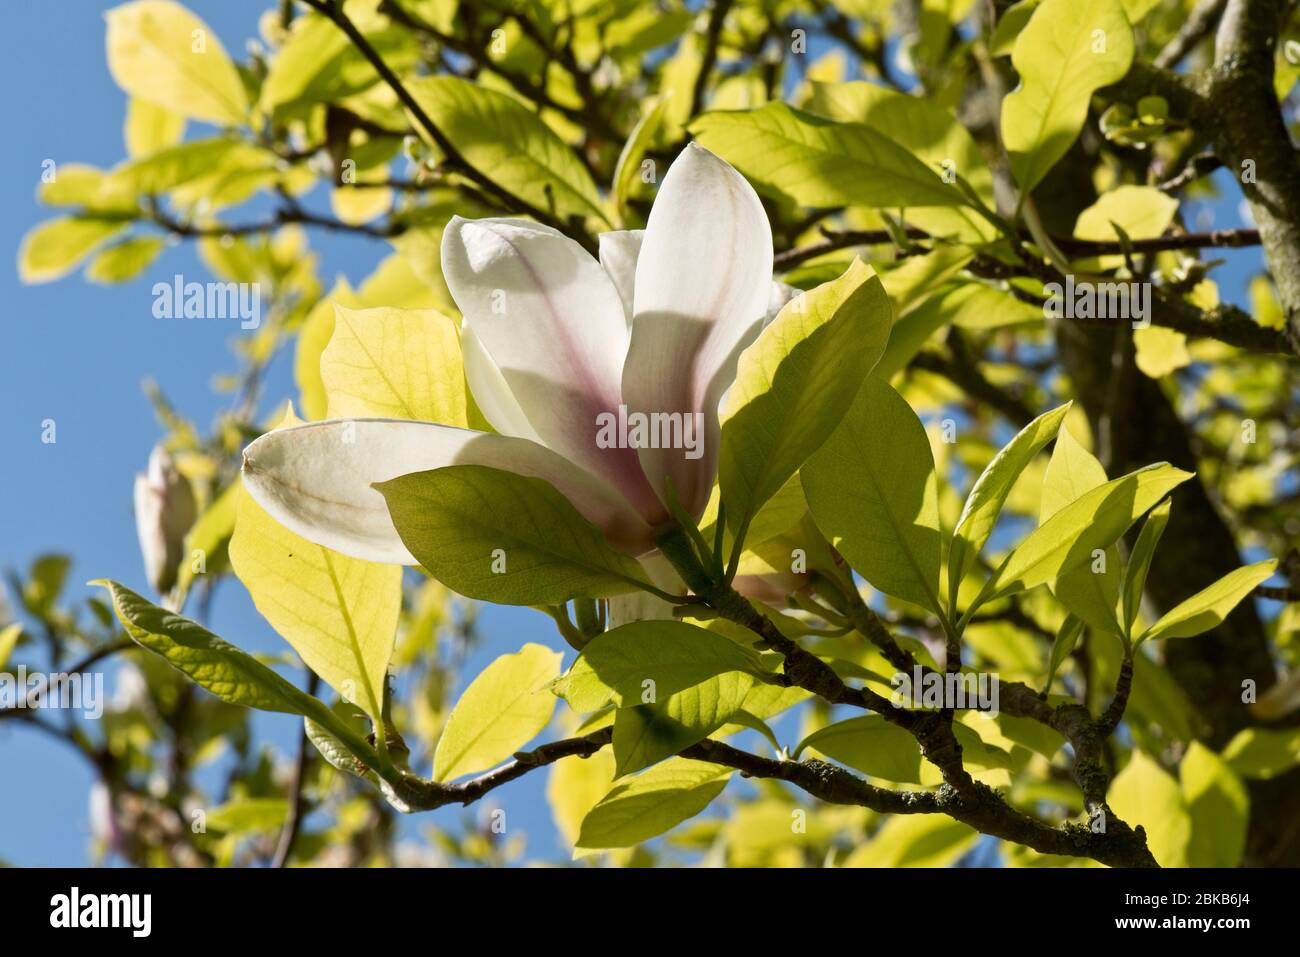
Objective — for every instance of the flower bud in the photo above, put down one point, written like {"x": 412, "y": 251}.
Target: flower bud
{"x": 164, "y": 512}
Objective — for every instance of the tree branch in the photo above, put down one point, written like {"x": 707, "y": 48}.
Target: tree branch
{"x": 333, "y": 11}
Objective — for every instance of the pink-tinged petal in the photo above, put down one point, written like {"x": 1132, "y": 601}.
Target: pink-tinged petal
{"x": 703, "y": 280}
{"x": 553, "y": 324}
{"x": 316, "y": 480}
{"x": 618, "y": 254}
{"x": 491, "y": 391}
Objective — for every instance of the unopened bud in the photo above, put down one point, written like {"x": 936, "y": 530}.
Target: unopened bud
{"x": 164, "y": 512}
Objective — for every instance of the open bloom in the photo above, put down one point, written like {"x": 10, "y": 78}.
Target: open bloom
{"x": 557, "y": 345}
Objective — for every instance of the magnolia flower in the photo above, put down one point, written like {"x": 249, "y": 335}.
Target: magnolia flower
{"x": 555, "y": 344}
{"x": 164, "y": 512}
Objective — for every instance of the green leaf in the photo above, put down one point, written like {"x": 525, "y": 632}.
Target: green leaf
{"x": 1095, "y": 520}
{"x": 873, "y": 746}
{"x": 502, "y": 139}
{"x": 925, "y": 128}
{"x": 504, "y": 708}
{"x": 9, "y": 636}
{"x": 232, "y": 675}
{"x": 648, "y": 733}
{"x": 915, "y": 840}
{"x": 1263, "y": 752}
{"x": 161, "y": 53}
{"x": 126, "y": 260}
{"x": 651, "y": 803}
{"x": 248, "y": 816}
{"x": 794, "y": 384}
{"x": 334, "y": 751}
{"x": 1092, "y": 594}
{"x": 54, "y": 248}
{"x": 641, "y": 139}
{"x": 1219, "y": 807}
{"x": 199, "y": 167}
{"x": 873, "y": 494}
{"x": 1067, "y": 637}
{"x": 317, "y": 63}
{"x": 1068, "y": 50}
{"x": 1209, "y": 607}
{"x": 990, "y": 491}
{"x": 1144, "y": 794}
{"x": 1139, "y": 562}
{"x": 464, "y": 523}
{"x": 394, "y": 363}
{"x": 817, "y": 162}
{"x": 1010, "y": 22}
{"x": 574, "y": 786}
{"x": 645, "y": 661}
{"x": 210, "y": 537}
{"x": 150, "y": 128}
{"x": 339, "y": 613}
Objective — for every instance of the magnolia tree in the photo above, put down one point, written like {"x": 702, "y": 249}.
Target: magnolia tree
{"x": 842, "y": 383}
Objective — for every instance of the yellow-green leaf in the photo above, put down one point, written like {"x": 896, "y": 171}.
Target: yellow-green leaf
{"x": 160, "y": 52}
{"x": 648, "y": 733}
{"x": 8, "y": 642}
{"x": 1092, "y": 590}
{"x": 654, "y": 801}
{"x": 150, "y": 127}
{"x": 1067, "y": 51}
{"x": 915, "y": 840}
{"x": 1219, "y": 806}
{"x": 649, "y": 660}
{"x": 1144, "y": 794}
{"x": 501, "y": 138}
{"x": 1209, "y": 607}
{"x": 126, "y": 260}
{"x": 1094, "y": 520}
{"x": 990, "y": 491}
{"x": 504, "y": 708}
{"x": 639, "y": 140}
{"x": 505, "y": 538}
{"x": 54, "y": 248}
{"x": 339, "y": 613}
{"x": 873, "y": 493}
{"x": 794, "y": 384}
{"x": 817, "y": 162}
{"x": 576, "y": 785}
{"x": 394, "y": 363}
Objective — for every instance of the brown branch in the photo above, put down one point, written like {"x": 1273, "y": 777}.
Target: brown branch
{"x": 712, "y": 37}
{"x": 333, "y": 11}
{"x": 292, "y": 824}
{"x": 1198, "y": 25}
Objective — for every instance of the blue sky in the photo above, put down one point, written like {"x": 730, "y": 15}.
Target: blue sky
{"x": 78, "y": 353}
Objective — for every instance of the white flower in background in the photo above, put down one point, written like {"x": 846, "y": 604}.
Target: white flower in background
{"x": 552, "y": 340}
{"x": 164, "y": 512}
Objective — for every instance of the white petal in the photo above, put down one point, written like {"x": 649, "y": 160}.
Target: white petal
{"x": 491, "y": 392}
{"x": 702, "y": 280}
{"x": 316, "y": 479}
{"x": 553, "y": 323}
{"x": 643, "y": 606}
{"x": 618, "y": 254}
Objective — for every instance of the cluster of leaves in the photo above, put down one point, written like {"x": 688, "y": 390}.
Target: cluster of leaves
{"x": 982, "y": 553}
